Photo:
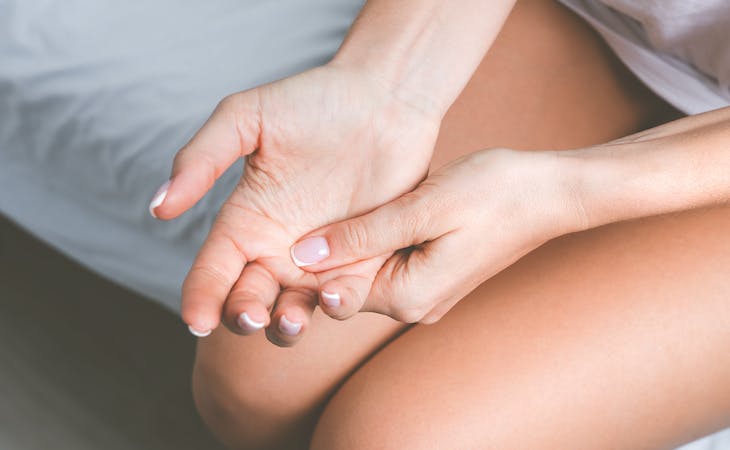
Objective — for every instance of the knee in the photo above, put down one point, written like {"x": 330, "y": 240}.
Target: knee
{"x": 257, "y": 411}
{"x": 366, "y": 421}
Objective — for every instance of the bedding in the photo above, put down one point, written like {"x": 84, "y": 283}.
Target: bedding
{"x": 97, "y": 96}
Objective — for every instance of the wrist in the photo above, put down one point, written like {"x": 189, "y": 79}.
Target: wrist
{"x": 425, "y": 50}
{"x": 389, "y": 74}
{"x": 612, "y": 183}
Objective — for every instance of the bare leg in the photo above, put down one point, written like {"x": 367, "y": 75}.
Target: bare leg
{"x": 547, "y": 83}
{"x": 615, "y": 338}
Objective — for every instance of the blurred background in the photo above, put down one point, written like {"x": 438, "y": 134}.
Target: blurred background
{"x": 86, "y": 364}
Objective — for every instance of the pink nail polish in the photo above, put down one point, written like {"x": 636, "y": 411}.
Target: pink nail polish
{"x": 159, "y": 197}
{"x": 289, "y": 328}
{"x": 310, "y": 251}
{"x": 331, "y": 299}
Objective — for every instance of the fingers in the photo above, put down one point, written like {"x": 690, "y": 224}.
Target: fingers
{"x": 291, "y": 317}
{"x": 401, "y": 223}
{"x": 420, "y": 286}
{"x": 343, "y": 297}
{"x": 231, "y": 132}
{"x": 214, "y": 272}
{"x": 247, "y": 308}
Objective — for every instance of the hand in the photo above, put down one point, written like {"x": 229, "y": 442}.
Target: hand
{"x": 324, "y": 145}
{"x": 460, "y": 227}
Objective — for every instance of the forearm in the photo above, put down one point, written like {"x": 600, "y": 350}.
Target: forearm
{"x": 679, "y": 166}
{"x": 426, "y": 49}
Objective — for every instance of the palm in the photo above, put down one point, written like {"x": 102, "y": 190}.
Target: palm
{"x": 329, "y": 147}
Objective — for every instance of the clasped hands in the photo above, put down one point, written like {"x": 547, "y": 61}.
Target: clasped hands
{"x": 335, "y": 208}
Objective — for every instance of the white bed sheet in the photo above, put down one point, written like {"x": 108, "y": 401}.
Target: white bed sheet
{"x": 96, "y": 97}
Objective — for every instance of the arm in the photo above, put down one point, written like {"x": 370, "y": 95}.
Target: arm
{"x": 320, "y": 148}
{"x": 681, "y": 165}
{"x": 477, "y": 216}
{"x": 425, "y": 49}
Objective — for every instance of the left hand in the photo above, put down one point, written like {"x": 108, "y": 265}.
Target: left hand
{"x": 322, "y": 145}
{"x": 461, "y": 226}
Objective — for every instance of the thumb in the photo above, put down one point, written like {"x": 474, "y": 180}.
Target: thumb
{"x": 232, "y": 131}
{"x": 399, "y": 224}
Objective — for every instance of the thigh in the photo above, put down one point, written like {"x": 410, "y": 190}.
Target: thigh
{"x": 616, "y": 338}
{"x": 547, "y": 82}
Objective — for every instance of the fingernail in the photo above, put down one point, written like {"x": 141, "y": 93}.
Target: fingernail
{"x": 247, "y": 323}
{"x": 197, "y": 333}
{"x": 159, "y": 197}
{"x": 289, "y": 328}
{"x": 330, "y": 299}
{"x": 310, "y": 251}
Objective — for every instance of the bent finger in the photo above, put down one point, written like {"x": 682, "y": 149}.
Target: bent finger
{"x": 291, "y": 316}
{"x": 344, "y": 296}
{"x": 214, "y": 272}
{"x": 247, "y": 308}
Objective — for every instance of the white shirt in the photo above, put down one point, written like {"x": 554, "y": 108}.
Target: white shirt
{"x": 679, "y": 48}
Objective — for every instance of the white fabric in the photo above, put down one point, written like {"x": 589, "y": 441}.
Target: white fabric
{"x": 679, "y": 48}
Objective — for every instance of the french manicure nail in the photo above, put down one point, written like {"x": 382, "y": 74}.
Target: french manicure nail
{"x": 197, "y": 333}
{"x": 289, "y": 328}
{"x": 331, "y": 299}
{"x": 247, "y": 323}
{"x": 310, "y": 251}
{"x": 159, "y": 197}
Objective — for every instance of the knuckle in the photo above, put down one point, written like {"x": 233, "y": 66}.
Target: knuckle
{"x": 355, "y": 235}
{"x": 202, "y": 277}
{"x": 416, "y": 218}
{"x": 228, "y": 103}
{"x": 407, "y": 314}
{"x": 241, "y": 293}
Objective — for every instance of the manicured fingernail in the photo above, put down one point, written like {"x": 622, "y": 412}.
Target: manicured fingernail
{"x": 197, "y": 333}
{"x": 159, "y": 198}
{"x": 289, "y": 328}
{"x": 310, "y": 251}
{"x": 331, "y": 299}
{"x": 248, "y": 323}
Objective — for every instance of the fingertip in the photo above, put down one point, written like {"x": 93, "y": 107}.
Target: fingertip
{"x": 341, "y": 298}
{"x": 200, "y": 317}
{"x": 198, "y": 333}
{"x": 247, "y": 323}
{"x": 330, "y": 299}
{"x": 309, "y": 252}
{"x": 291, "y": 318}
{"x": 290, "y": 326}
{"x": 247, "y": 317}
{"x": 159, "y": 198}
{"x": 198, "y": 325}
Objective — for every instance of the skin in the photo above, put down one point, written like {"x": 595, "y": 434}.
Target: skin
{"x": 582, "y": 341}
{"x": 320, "y": 148}
{"x": 307, "y": 170}
{"x": 521, "y": 200}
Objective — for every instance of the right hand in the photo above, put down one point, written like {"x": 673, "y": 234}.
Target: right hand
{"x": 463, "y": 224}
{"x": 325, "y": 145}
